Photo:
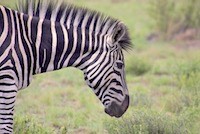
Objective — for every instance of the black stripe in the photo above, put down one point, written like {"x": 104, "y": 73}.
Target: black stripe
{"x": 9, "y": 127}
{"x": 101, "y": 79}
{"x": 102, "y": 88}
{"x": 70, "y": 45}
{"x": 14, "y": 68}
{"x": 1, "y": 22}
{"x": 59, "y": 14}
{"x": 26, "y": 49}
{"x": 103, "y": 68}
{"x": 82, "y": 18}
{"x": 6, "y": 68}
{"x": 7, "y": 114}
{"x": 6, "y": 76}
{"x": 108, "y": 95}
{"x": 100, "y": 53}
{"x": 86, "y": 42}
{"x": 8, "y": 103}
{"x": 67, "y": 14}
{"x": 104, "y": 101}
{"x": 7, "y": 119}
{"x": 37, "y": 8}
{"x": 46, "y": 45}
{"x": 89, "y": 21}
{"x": 117, "y": 82}
{"x": 78, "y": 44}
{"x": 105, "y": 89}
{"x": 5, "y": 59}
{"x": 95, "y": 24}
{"x": 7, "y": 41}
{"x": 73, "y": 17}
{"x": 34, "y": 25}
{"x": 2, "y": 97}
{"x": 4, "y": 123}
{"x": 10, "y": 91}
{"x": 19, "y": 54}
{"x": 7, "y": 108}
{"x": 60, "y": 46}
{"x": 102, "y": 26}
{"x": 6, "y": 130}
{"x": 6, "y": 84}
{"x": 48, "y": 12}
{"x": 118, "y": 91}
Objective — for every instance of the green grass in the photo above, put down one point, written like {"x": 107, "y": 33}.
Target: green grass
{"x": 163, "y": 82}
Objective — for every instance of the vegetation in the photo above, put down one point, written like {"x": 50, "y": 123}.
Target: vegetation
{"x": 163, "y": 80}
{"x": 172, "y": 17}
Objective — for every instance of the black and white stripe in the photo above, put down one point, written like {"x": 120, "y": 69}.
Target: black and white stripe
{"x": 46, "y": 36}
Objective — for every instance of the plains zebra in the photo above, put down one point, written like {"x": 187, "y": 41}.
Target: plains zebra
{"x": 45, "y": 36}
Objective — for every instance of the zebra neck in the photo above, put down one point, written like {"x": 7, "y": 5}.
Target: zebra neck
{"x": 58, "y": 46}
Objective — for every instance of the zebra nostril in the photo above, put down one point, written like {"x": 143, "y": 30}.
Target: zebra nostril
{"x": 125, "y": 104}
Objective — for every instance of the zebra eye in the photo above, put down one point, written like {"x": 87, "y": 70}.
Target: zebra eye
{"x": 119, "y": 65}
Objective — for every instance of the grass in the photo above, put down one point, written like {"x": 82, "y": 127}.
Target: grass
{"x": 163, "y": 81}
{"x": 145, "y": 121}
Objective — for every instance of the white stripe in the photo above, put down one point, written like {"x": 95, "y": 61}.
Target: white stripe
{"x": 54, "y": 45}
{"x": 43, "y": 9}
{"x": 13, "y": 50}
{"x": 30, "y": 8}
{"x": 95, "y": 55}
{"x": 7, "y": 64}
{"x": 98, "y": 25}
{"x": 69, "y": 18}
{"x": 22, "y": 50}
{"x": 90, "y": 42}
{"x": 73, "y": 45}
{"x": 102, "y": 68}
{"x": 106, "y": 27}
{"x": 83, "y": 30}
{"x": 55, "y": 11}
{"x": 38, "y": 43}
{"x": 44, "y": 55}
{"x": 29, "y": 47}
{"x": 62, "y": 20}
{"x": 110, "y": 31}
{"x": 29, "y": 28}
{"x": 83, "y": 39}
{"x": 5, "y": 54}
{"x": 66, "y": 41}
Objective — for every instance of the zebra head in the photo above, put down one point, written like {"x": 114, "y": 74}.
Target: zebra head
{"x": 105, "y": 73}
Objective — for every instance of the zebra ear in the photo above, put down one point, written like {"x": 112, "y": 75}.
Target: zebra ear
{"x": 119, "y": 32}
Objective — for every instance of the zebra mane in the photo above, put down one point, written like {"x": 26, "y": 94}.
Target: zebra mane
{"x": 60, "y": 11}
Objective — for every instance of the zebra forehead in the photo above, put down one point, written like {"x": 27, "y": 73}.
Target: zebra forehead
{"x": 71, "y": 15}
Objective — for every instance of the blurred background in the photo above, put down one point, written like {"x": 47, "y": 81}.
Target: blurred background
{"x": 162, "y": 71}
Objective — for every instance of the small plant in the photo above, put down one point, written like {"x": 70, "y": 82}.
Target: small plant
{"x": 148, "y": 122}
{"x": 173, "y": 17}
{"x": 140, "y": 99}
{"x": 27, "y": 125}
{"x": 162, "y": 11}
{"x": 137, "y": 66}
{"x": 190, "y": 13}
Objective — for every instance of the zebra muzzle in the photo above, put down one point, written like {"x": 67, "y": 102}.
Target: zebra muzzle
{"x": 118, "y": 110}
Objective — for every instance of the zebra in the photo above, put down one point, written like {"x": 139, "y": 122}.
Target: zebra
{"x": 45, "y": 36}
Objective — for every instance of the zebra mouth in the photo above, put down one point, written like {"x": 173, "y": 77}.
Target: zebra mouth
{"x": 117, "y": 110}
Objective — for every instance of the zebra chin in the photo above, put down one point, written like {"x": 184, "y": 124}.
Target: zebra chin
{"x": 117, "y": 110}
